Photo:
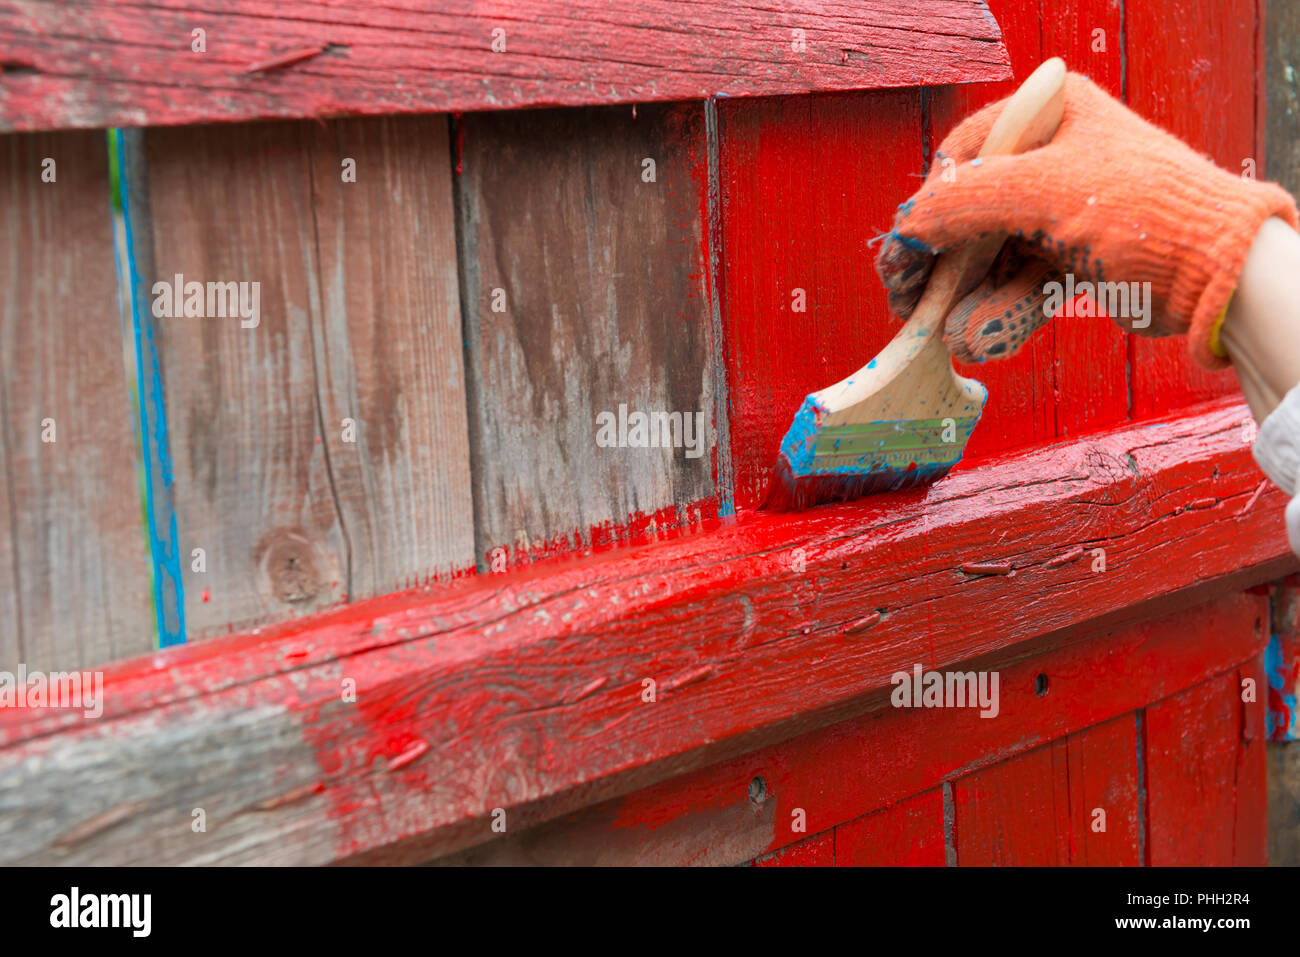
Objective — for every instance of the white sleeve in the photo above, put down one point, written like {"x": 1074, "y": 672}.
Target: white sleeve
{"x": 1277, "y": 450}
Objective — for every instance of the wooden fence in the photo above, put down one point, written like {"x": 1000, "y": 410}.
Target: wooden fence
{"x": 389, "y": 473}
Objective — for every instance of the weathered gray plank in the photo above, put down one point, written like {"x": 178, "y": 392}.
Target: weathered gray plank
{"x": 359, "y": 319}
{"x": 389, "y": 348}
{"x": 597, "y": 275}
{"x": 74, "y": 578}
{"x": 1282, "y": 61}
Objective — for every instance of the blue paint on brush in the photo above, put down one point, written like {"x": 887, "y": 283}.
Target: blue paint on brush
{"x": 160, "y": 511}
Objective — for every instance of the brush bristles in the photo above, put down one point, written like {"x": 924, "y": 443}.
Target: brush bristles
{"x": 786, "y": 493}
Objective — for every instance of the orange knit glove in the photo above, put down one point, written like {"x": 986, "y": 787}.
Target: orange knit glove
{"x": 1112, "y": 199}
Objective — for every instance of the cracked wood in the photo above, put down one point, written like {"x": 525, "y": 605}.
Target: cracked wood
{"x": 102, "y": 63}
{"x": 490, "y": 672}
{"x": 360, "y": 324}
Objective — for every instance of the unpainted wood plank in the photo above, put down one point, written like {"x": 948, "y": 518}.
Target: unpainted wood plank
{"x": 96, "y": 63}
{"x": 388, "y": 348}
{"x": 1191, "y": 69}
{"x": 909, "y": 834}
{"x": 317, "y": 455}
{"x": 1282, "y": 93}
{"x": 807, "y": 183}
{"x": 1091, "y": 354}
{"x": 584, "y": 254}
{"x": 75, "y": 574}
{"x": 252, "y": 486}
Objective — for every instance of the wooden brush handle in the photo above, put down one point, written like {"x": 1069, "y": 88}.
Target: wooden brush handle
{"x": 1029, "y": 120}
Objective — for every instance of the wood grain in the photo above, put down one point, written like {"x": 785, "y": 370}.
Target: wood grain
{"x": 1041, "y": 808}
{"x": 585, "y": 292}
{"x": 97, "y": 63}
{"x": 1282, "y": 96}
{"x": 1192, "y": 743}
{"x": 807, "y": 183}
{"x": 387, "y": 345}
{"x": 1090, "y": 370}
{"x": 816, "y": 851}
{"x": 720, "y": 813}
{"x": 1022, "y": 403}
{"x": 359, "y": 320}
{"x": 525, "y": 690}
{"x": 909, "y": 834}
{"x": 75, "y": 585}
{"x": 1190, "y": 70}
{"x": 1250, "y": 780}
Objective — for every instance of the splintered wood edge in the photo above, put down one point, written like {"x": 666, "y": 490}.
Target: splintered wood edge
{"x": 524, "y": 691}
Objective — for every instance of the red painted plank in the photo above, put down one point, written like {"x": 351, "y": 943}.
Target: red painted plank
{"x": 1074, "y": 801}
{"x": 1250, "y": 831}
{"x": 806, "y": 184}
{"x": 98, "y": 63}
{"x": 1021, "y": 407}
{"x": 1016, "y": 812}
{"x": 909, "y": 834}
{"x": 1103, "y": 790}
{"x": 1191, "y": 69}
{"x": 1191, "y": 766}
{"x": 528, "y": 688}
{"x": 733, "y": 810}
{"x": 816, "y": 851}
{"x": 1091, "y": 354}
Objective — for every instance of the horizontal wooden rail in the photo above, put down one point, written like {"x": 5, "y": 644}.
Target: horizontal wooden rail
{"x": 97, "y": 63}
{"x": 393, "y": 728}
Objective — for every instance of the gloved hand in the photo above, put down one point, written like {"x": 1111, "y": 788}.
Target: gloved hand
{"x": 1112, "y": 199}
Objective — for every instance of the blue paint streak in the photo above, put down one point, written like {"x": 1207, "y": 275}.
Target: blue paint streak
{"x": 160, "y": 512}
{"x": 1274, "y": 669}
{"x": 801, "y": 440}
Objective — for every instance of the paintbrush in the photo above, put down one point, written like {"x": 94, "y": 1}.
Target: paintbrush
{"x": 904, "y": 418}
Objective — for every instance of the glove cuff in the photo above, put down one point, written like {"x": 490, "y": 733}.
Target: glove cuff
{"x": 1208, "y": 293}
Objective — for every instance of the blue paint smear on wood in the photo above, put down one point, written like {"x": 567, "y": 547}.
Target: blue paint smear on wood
{"x": 160, "y": 512}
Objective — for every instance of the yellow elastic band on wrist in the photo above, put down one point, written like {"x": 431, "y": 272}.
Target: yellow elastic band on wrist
{"x": 1215, "y": 345}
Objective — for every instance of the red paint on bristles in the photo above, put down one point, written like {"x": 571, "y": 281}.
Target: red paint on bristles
{"x": 786, "y": 493}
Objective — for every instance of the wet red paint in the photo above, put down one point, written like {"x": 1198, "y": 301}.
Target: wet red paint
{"x": 480, "y": 668}
{"x": 393, "y": 59}
{"x": 806, "y": 183}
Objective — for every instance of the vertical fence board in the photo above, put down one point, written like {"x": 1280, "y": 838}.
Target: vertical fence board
{"x": 584, "y": 290}
{"x": 807, "y": 182}
{"x": 1192, "y": 741}
{"x": 1282, "y": 93}
{"x": 1091, "y": 367}
{"x": 1039, "y": 808}
{"x": 1250, "y": 827}
{"x": 358, "y": 320}
{"x": 1015, "y": 812}
{"x": 1021, "y": 407}
{"x": 389, "y": 350}
{"x": 1191, "y": 70}
{"x": 251, "y": 475}
{"x": 909, "y": 834}
{"x": 76, "y": 585}
{"x": 1103, "y": 776}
